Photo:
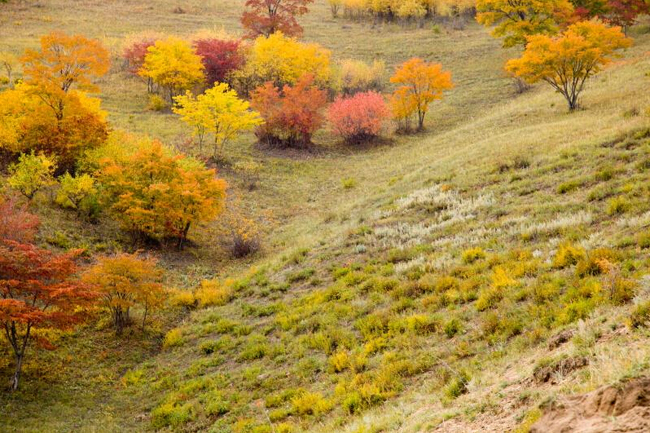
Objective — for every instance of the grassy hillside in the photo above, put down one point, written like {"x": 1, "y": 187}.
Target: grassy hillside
{"x": 428, "y": 296}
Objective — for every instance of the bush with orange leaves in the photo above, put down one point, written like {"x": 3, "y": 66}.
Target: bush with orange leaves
{"x": 291, "y": 115}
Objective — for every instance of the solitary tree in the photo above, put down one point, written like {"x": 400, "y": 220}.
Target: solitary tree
{"x": 37, "y": 293}
{"x": 567, "y": 61}
{"x": 218, "y": 111}
{"x": 420, "y": 83}
{"x": 126, "y": 281}
{"x": 265, "y": 17}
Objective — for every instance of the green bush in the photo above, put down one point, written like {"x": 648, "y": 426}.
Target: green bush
{"x": 457, "y": 386}
{"x": 640, "y": 315}
{"x": 171, "y": 415}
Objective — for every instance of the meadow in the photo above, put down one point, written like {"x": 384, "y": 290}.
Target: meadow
{"x": 413, "y": 284}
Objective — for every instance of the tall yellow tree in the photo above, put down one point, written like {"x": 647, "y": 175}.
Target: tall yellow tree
{"x": 173, "y": 65}
{"x": 567, "y": 61}
{"x": 218, "y": 111}
{"x": 126, "y": 281}
{"x": 517, "y": 19}
{"x": 419, "y": 84}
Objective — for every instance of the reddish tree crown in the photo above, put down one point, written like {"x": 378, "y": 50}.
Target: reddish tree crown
{"x": 265, "y": 17}
{"x": 219, "y": 57}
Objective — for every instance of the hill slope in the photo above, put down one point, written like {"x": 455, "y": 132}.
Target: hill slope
{"x": 430, "y": 296}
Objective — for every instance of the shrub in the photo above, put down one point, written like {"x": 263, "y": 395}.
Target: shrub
{"x": 211, "y": 292}
{"x": 472, "y": 255}
{"x": 488, "y": 298}
{"x": 592, "y": 263}
{"x": 291, "y": 116}
{"x": 617, "y": 206}
{"x": 569, "y": 186}
{"x": 157, "y": 103}
{"x": 310, "y": 403}
{"x": 31, "y": 173}
{"x": 457, "y": 386}
{"x": 74, "y": 190}
{"x": 356, "y": 76}
{"x": 359, "y": 117}
{"x": 173, "y": 338}
{"x": 171, "y": 414}
{"x": 220, "y": 58}
{"x": 568, "y": 255}
{"x": 639, "y": 316}
{"x": 182, "y": 298}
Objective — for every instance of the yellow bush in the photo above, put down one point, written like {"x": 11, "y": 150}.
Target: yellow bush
{"x": 339, "y": 361}
{"x": 212, "y": 293}
{"x": 181, "y": 298}
{"x": 568, "y": 255}
{"x": 311, "y": 403}
{"x": 173, "y": 338}
{"x": 356, "y": 76}
{"x": 473, "y": 254}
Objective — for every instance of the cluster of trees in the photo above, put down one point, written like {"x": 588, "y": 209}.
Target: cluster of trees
{"x": 44, "y": 292}
{"x": 289, "y": 84}
{"x": 58, "y": 136}
{"x": 564, "y": 42}
{"x": 404, "y": 10}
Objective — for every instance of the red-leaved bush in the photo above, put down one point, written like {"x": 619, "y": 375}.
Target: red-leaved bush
{"x": 359, "y": 117}
{"x": 135, "y": 52}
{"x": 16, "y": 224}
{"x": 219, "y": 57}
{"x": 292, "y": 115}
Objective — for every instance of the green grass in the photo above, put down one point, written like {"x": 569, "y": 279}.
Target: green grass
{"x": 425, "y": 269}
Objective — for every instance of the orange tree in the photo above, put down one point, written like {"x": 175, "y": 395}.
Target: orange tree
{"x": 420, "y": 83}
{"x": 51, "y": 112}
{"x": 158, "y": 195}
{"x": 37, "y": 294}
{"x": 567, "y": 61}
{"x": 517, "y": 19}
{"x": 125, "y": 281}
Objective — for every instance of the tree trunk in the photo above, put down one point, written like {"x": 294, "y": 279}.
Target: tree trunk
{"x": 15, "y": 379}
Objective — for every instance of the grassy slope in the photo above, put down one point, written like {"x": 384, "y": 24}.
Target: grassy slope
{"x": 479, "y": 125}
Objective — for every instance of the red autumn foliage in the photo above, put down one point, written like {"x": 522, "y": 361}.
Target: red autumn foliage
{"x": 359, "y": 117}
{"x": 292, "y": 115}
{"x": 624, "y": 13}
{"x": 37, "y": 293}
{"x": 135, "y": 53}
{"x": 219, "y": 57}
{"x": 16, "y": 224}
{"x": 265, "y": 17}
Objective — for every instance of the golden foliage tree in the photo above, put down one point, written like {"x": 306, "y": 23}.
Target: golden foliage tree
{"x": 517, "y": 19}
{"x": 173, "y": 65}
{"x": 218, "y": 111}
{"x": 567, "y": 61}
{"x": 283, "y": 60}
{"x": 125, "y": 281}
{"x": 420, "y": 83}
{"x": 159, "y": 195}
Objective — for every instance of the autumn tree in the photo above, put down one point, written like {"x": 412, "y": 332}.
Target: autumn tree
{"x": 134, "y": 51}
{"x": 283, "y": 60}
{"x": 63, "y": 63}
{"x": 517, "y": 19}
{"x": 31, "y": 174}
{"x": 173, "y": 65}
{"x": 292, "y": 115}
{"x": 51, "y": 111}
{"x": 158, "y": 195}
{"x": 624, "y": 13}
{"x": 74, "y": 190}
{"x": 220, "y": 58}
{"x": 16, "y": 223}
{"x": 567, "y": 61}
{"x": 8, "y": 62}
{"x": 360, "y": 117}
{"x": 38, "y": 294}
{"x": 218, "y": 111}
{"x": 265, "y": 17}
{"x": 125, "y": 281}
{"x": 419, "y": 84}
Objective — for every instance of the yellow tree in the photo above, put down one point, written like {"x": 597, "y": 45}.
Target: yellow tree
{"x": 173, "y": 65}
{"x": 420, "y": 83}
{"x": 567, "y": 61}
{"x": 517, "y": 19}
{"x": 31, "y": 174}
{"x": 218, "y": 111}
{"x": 283, "y": 60}
{"x": 126, "y": 281}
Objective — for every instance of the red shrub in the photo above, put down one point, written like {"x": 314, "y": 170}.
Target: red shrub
{"x": 219, "y": 57}
{"x": 135, "y": 53}
{"x": 290, "y": 116}
{"x": 16, "y": 224}
{"x": 359, "y": 117}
